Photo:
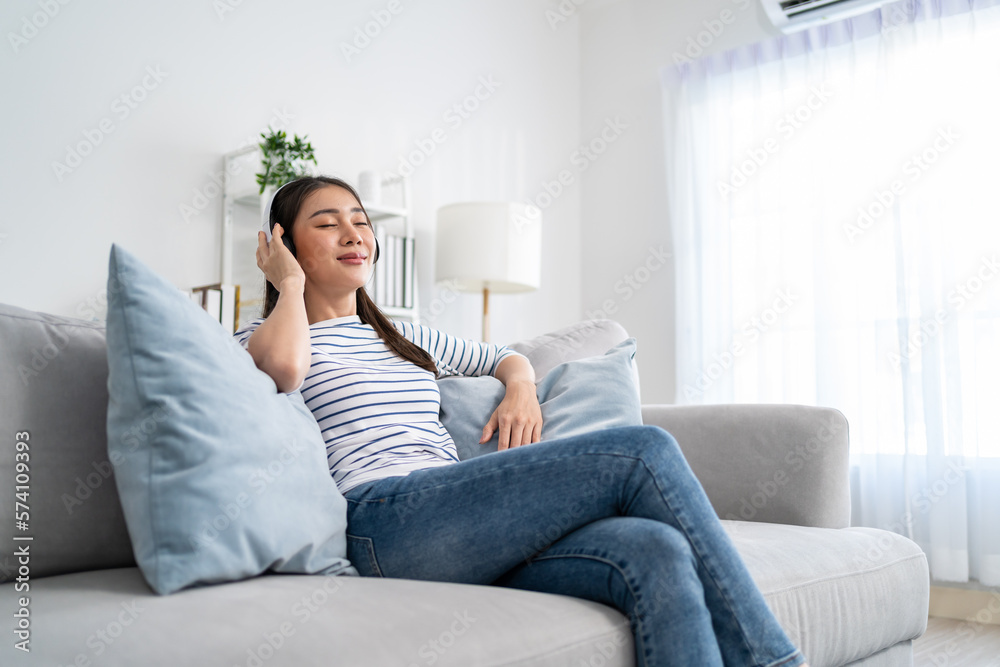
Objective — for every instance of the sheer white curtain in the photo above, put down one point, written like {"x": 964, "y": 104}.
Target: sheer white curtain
{"x": 835, "y": 204}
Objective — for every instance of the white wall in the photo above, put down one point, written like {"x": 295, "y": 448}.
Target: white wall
{"x": 624, "y": 217}
{"x": 225, "y": 77}
{"x": 569, "y": 70}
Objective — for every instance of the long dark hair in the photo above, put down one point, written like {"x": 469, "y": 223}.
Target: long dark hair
{"x": 284, "y": 211}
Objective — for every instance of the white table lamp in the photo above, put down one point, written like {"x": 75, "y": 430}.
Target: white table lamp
{"x": 489, "y": 247}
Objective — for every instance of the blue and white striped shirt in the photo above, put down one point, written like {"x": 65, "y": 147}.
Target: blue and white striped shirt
{"x": 378, "y": 412}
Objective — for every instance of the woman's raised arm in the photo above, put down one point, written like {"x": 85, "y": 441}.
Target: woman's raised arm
{"x": 280, "y": 345}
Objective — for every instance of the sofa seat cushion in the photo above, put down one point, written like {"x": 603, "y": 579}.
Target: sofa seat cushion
{"x": 111, "y": 617}
{"x": 840, "y": 593}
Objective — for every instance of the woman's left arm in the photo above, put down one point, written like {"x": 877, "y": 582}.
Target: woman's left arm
{"x": 518, "y": 418}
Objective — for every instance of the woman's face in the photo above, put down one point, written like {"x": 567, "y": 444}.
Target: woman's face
{"x": 334, "y": 243}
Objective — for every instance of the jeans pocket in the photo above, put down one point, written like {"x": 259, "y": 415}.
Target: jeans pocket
{"x": 361, "y": 553}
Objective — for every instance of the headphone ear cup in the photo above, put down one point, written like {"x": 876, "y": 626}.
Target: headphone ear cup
{"x": 376, "y": 252}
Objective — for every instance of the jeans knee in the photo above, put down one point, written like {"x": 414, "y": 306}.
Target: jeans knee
{"x": 650, "y": 443}
{"x": 653, "y": 544}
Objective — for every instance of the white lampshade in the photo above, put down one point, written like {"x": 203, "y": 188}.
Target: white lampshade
{"x": 492, "y": 245}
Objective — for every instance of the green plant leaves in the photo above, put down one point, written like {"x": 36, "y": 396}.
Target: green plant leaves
{"x": 283, "y": 161}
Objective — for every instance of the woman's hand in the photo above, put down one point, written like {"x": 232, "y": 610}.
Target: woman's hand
{"x": 275, "y": 259}
{"x": 518, "y": 418}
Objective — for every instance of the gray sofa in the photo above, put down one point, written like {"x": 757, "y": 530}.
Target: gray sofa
{"x": 776, "y": 474}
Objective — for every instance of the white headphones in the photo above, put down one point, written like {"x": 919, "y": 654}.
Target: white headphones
{"x": 265, "y": 222}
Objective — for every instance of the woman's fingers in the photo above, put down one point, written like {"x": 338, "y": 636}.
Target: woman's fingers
{"x": 490, "y": 427}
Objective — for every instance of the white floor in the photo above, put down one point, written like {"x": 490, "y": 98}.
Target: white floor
{"x": 951, "y": 643}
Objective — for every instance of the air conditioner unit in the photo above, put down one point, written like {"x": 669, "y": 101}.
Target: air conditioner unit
{"x": 794, "y": 15}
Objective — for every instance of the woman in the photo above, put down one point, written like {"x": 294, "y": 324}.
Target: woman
{"x": 615, "y": 516}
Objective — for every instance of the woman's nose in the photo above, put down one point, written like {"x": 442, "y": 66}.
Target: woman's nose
{"x": 353, "y": 236}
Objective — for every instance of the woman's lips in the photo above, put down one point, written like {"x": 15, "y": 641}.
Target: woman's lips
{"x": 352, "y": 258}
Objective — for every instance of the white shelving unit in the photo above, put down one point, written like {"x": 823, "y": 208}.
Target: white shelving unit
{"x": 397, "y": 219}
{"x": 241, "y": 215}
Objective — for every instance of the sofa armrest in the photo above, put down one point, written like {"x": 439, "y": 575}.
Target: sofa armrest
{"x": 771, "y": 463}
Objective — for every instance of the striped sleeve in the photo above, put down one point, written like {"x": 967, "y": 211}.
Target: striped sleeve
{"x": 243, "y": 335}
{"x": 455, "y": 356}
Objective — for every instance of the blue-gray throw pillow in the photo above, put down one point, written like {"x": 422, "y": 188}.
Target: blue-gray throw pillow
{"x": 221, "y": 477}
{"x": 576, "y": 397}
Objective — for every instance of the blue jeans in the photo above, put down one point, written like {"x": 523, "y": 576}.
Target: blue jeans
{"x": 614, "y": 516}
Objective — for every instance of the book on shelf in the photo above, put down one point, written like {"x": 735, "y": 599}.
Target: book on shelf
{"x": 393, "y": 283}
{"x": 219, "y": 301}
{"x": 379, "y": 279}
{"x": 409, "y": 266}
{"x": 390, "y": 271}
{"x": 398, "y": 270}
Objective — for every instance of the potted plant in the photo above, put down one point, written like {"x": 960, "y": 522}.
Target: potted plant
{"x": 283, "y": 161}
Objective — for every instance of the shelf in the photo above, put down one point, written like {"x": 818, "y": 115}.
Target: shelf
{"x": 379, "y": 212}
{"x": 241, "y": 221}
{"x": 248, "y": 199}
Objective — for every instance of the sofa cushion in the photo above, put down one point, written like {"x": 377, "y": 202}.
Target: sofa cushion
{"x": 53, "y": 386}
{"x": 841, "y": 594}
{"x": 576, "y": 397}
{"x": 221, "y": 477}
{"x": 109, "y": 617}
